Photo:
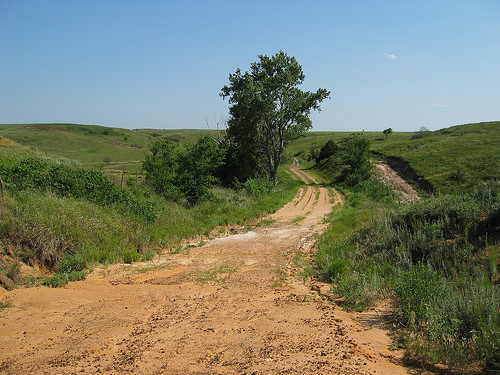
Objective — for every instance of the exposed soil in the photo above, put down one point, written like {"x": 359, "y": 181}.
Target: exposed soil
{"x": 405, "y": 192}
{"x": 232, "y": 305}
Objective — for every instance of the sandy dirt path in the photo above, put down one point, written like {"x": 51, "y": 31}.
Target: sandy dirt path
{"x": 235, "y": 305}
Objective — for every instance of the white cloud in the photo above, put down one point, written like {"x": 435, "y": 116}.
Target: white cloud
{"x": 390, "y": 56}
{"x": 442, "y": 105}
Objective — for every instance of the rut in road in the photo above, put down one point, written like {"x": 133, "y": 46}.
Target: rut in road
{"x": 235, "y": 305}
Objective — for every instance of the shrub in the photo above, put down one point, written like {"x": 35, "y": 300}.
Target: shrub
{"x": 259, "y": 186}
{"x": 31, "y": 173}
{"x": 350, "y": 155}
{"x": 329, "y": 149}
{"x": 196, "y": 168}
{"x": 149, "y": 254}
{"x": 417, "y": 290}
{"x": 69, "y": 263}
{"x": 189, "y": 172}
{"x": 61, "y": 279}
{"x": 421, "y": 133}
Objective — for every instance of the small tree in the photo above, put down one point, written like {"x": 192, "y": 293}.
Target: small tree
{"x": 387, "y": 132}
{"x": 268, "y": 110}
{"x": 196, "y": 168}
{"x": 161, "y": 166}
{"x": 329, "y": 148}
{"x": 354, "y": 150}
{"x": 421, "y": 133}
{"x": 175, "y": 172}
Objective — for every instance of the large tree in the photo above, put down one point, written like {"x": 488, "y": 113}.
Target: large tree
{"x": 268, "y": 110}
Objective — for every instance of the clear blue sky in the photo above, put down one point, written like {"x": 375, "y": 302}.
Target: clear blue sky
{"x": 161, "y": 64}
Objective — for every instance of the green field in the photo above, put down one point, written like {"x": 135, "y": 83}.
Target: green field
{"x": 112, "y": 149}
{"x": 452, "y": 159}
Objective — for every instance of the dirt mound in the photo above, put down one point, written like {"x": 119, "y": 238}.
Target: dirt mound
{"x": 404, "y": 191}
{"x": 236, "y": 305}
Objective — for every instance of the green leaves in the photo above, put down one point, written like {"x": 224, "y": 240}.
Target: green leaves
{"x": 188, "y": 172}
{"x": 351, "y": 153}
{"x": 196, "y": 168}
{"x": 268, "y": 110}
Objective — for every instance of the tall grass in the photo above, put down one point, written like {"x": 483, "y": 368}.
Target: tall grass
{"x": 435, "y": 259}
{"x": 453, "y": 321}
{"x": 44, "y": 227}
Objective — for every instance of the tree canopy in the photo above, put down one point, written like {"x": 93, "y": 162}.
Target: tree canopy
{"x": 267, "y": 111}
{"x": 187, "y": 172}
{"x": 387, "y": 132}
{"x": 350, "y": 157}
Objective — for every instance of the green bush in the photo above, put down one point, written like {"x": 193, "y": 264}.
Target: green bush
{"x": 61, "y": 279}
{"x": 34, "y": 173}
{"x": 418, "y": 290}
{"x": 329, "y": 149}
{"x": 69, "y": 263}
{"x": 349, "y": 157}
{"x": 259, "y": 186}
{"x": 188, "y": 172}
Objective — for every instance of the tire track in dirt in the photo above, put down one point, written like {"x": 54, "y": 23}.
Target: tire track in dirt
{"x": 235, "y": 305}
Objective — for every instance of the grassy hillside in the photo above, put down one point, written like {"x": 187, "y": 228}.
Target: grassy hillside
{"x": 451, "y": 159}
{"x": 437, "y": 260}
{"x": 113, "y": 149}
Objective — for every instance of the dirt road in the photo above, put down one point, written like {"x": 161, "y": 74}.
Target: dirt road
{"x": 232, "y": 305}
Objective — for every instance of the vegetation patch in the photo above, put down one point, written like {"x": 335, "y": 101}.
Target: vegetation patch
{"x": 303, "y": 262}
{"x": 216, "y": 274}
{"x": 147, "y": 269}
{"x": 265, "y": 222}
{"x": 279, "y": 278}
{"x": 435, "y": 258}
{"x": 297, "y": 220}
{"x": 60, "y": 279}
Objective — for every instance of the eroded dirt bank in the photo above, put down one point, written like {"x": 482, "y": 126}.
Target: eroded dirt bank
{"x": 235, "y": 305}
